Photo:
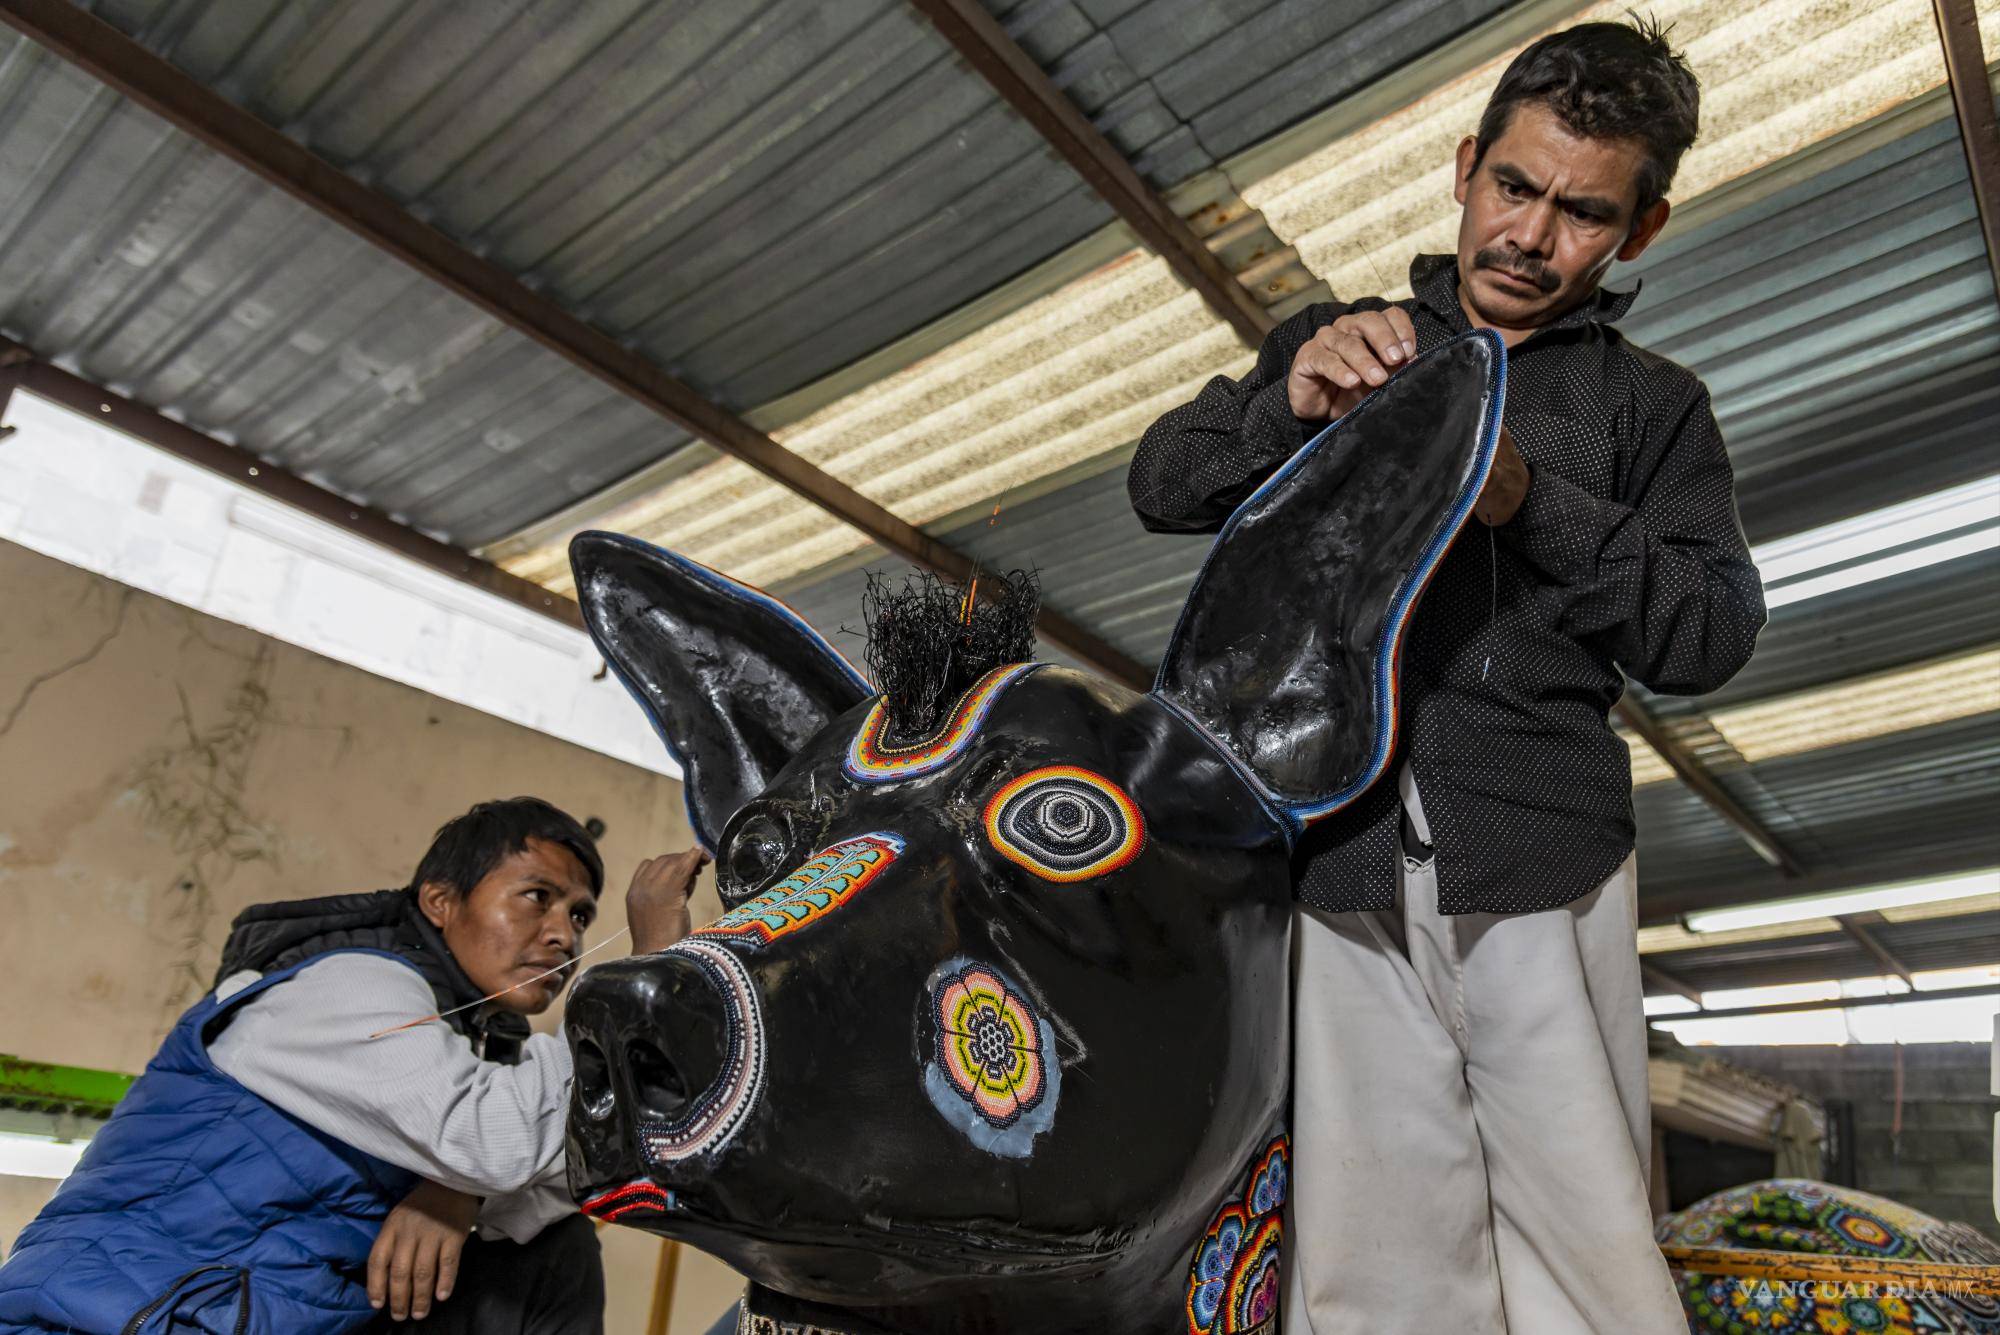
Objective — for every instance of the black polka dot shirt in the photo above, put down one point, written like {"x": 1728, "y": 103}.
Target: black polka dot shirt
{"x": 1627, "y": 554}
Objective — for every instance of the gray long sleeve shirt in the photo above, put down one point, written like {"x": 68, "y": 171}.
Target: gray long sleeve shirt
{"x": 419, "y": 1098}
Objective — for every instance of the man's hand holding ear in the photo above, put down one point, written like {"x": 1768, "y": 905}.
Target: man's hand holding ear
{"x": 657, "y": 903}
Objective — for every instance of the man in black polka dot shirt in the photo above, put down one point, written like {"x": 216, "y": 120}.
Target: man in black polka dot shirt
{"x": 1470, "y": 1100}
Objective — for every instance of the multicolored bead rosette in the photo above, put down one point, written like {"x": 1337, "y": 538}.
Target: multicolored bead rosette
{"x": 1235, "y": 1284}
{"x": 993, "y": 1071}
{"x": 1065, "y": 824}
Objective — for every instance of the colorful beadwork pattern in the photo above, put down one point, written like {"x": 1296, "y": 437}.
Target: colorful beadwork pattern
{"x": 633, "y": 1197}
{"x": 993, "y": 1070}
{"x": 870, "y": 760}
{"x": 747, "y": 1324}
{"x": 1065, "y": 824}
{"x": 1792, "y": 1214}
{"x": 721, "y": 1111}
{"x": 1234, "y": 1284}
{"x": 826, "y": 881}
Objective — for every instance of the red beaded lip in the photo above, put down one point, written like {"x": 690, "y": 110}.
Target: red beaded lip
{"x": 615, "y": 1204}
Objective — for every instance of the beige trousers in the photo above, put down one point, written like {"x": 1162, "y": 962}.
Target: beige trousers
{"x": 1470, "y": 1121}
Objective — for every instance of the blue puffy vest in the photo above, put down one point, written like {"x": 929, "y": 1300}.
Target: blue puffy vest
{"x": 199, "y": 1206}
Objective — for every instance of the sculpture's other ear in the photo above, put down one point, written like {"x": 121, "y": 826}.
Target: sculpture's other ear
{"x": 734, "y": 682}
{"x": 1287, "y": 648}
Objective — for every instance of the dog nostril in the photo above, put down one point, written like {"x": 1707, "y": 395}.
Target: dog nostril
{"x": 656, "y": 1082}
{"x": 593, "y": 1081}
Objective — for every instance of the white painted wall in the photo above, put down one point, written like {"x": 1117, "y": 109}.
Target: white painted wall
{"x": 74, "y": 489}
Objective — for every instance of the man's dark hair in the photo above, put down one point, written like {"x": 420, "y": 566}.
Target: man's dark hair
{"x": 468, "y": 847}
{"x": 1607, "y": 81}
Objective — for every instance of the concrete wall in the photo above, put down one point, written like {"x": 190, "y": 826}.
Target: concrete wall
{"x": 1945, "y": 1167}
{"x": 161, "y": 769}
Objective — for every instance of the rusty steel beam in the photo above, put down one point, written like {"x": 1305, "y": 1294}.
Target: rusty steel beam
{"x": 1013, "y": 73}
{"x": 239, "y": 465}
{"x": 1688, "y": 768}
{"x": 108, "y": 55}
{"x": 1668, "y": 982}
{"x": 1978, "y": 129}
{"x": 1857, "y": 926}
{"x": 11, "y": 358}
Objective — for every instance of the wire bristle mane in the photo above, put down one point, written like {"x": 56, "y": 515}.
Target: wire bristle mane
{"x": 929, "y": 640}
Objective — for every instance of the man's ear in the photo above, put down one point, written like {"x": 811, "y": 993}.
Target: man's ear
{"x": 1288, "y": 649}
{"x": 1644, "y": 228}
{"x": 1468, "y": 160}
{"x": 437, "y": 902}
{"x": 733, "y": 681}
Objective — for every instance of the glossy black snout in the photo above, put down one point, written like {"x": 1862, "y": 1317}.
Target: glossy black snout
{"x": 648, "y": 1037}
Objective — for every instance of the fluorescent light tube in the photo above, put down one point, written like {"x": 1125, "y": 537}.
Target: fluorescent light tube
{"x": 1966, "y": 506}
{"x": 1896, "y": 563}
{"x": 1899, "y": 895}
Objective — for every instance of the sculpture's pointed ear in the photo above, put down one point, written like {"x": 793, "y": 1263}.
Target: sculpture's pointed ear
{"x": 734, "y": 682}
{"x": 1287, "y": 648}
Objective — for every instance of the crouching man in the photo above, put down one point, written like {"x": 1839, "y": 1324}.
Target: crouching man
{"x": 317, "y": 1138}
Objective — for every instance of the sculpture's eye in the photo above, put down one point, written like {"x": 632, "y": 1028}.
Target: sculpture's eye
{"x": 757, "y": 850}
{"x": 1065, "y": 824}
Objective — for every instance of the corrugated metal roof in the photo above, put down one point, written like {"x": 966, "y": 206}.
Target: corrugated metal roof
{"x": 147, "y": 262}
{"x": 1943, "y": 609}
{"x": 1179, "y": 85}
{"x": 1942, "y": 943}
{"x": 1847, "y": 330}
{"x": 752, "y": 194}
{"x": 1861, "y": 276}
{"x": 1889, "y": 809}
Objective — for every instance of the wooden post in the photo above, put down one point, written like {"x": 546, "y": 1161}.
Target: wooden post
{"x": 665, "y": 1272}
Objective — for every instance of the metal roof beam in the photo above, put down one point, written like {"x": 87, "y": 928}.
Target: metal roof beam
{"x": 116, "y": 60}
{"x": 1690, "y": 770}
{"x": 1978, "y": 128}
{"x": 267, "y": 479}
{"x": 1858, "y": 926}
{"x": 1655, "y": 976}
{"x": 1024, "y": 85}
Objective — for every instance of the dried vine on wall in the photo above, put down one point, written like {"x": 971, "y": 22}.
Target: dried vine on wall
{"x": 192, "y": 789}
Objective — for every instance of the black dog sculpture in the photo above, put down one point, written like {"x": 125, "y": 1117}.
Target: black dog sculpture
{"x": 993, "y": 1035}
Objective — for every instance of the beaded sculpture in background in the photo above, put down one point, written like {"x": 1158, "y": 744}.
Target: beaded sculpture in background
{"x": 1820, "y": 1219}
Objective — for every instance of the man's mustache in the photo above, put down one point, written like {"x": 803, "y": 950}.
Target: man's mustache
{"x": 1528, "y": 270}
